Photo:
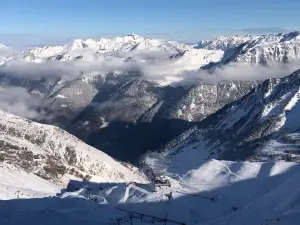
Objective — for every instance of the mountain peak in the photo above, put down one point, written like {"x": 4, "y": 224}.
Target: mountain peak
{"x": 76, "y": 44}
{"x": 295, "y": 35}
{"x": 134, "y": 35}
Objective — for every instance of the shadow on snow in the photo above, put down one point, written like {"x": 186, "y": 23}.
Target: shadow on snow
{"x": 123, "y": 205}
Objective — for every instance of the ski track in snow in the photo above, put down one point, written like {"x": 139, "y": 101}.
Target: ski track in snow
{"x": 227, "y": 168}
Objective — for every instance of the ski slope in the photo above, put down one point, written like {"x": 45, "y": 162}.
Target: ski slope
{"x": 217, "y": 192}
{"x": 15, "y": 183}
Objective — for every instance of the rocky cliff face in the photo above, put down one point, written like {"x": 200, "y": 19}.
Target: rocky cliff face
{"x": 55, "y": 155}
{"x": 263, "y": 50}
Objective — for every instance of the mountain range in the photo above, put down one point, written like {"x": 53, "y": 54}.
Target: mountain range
{"x": 137, "y": 128}
{"x": 262, "y": 125}
{"x": 265, "y": 49}
{"x": 94, "y": 104}
{"x": 222, "y": 50}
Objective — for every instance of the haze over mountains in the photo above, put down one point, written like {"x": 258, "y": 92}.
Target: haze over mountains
{"x": 216, "y": 113}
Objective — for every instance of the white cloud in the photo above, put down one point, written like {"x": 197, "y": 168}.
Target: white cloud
{"x": 163, "y": 70}
{"x": 241, "y": 72}
{"x": 19, "y": 102}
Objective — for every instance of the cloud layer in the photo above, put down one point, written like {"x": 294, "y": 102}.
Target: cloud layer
{"x": 163, "y": 70}
{"x": 18, "y": 101}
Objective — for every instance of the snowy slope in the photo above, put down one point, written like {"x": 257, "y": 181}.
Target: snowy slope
{"x": 55, "y": 155}
{"x": 16, "y": 183}
{"x": 193, "y": 58}
{"x": 279, "y": 206}
{"x": 213, "y": 193}
{"x": 261, "y": 125}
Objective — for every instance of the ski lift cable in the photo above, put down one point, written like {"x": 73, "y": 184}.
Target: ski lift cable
{"x": 197, "y": 195}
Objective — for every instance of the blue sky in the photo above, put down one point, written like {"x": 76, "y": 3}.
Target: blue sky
{"x": 29, "y": 22}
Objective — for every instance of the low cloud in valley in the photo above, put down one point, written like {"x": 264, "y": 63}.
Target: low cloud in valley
{"x": 22, "y": 103}
{"x": 163, "y": 70}
{"x": 19, "y": 102}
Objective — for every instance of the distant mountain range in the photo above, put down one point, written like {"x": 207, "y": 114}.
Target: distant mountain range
{"x": 119, "y": 100}
{"x": 131, "y": 46}
{"x": 224, "y": 49}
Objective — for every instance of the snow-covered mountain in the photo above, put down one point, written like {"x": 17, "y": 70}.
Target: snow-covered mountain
{"x": 259, "y": 49}
{"x": 55, "y": 155}
{"x": 92, "y": 50}
{"x": 131, "y": 52}
{"x": 127, "y": 115}
{"x": 86, "y": 105}
{"x": 191, "y": 59}
{"x": 210, "y": 193}
{"x": 130, "y": 111}
{"x": 263, "y": 49}
{"x": 263, "y": 124}
{"x": 224, "y": 42}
